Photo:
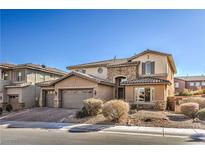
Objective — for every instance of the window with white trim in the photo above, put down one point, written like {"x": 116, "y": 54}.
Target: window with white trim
{"x": 203, "y": 83}
{"x": 144, "y": 94}
{"x": 197, "y": 84}
{"x": 148, "y": 68}
{"x": 19, "y": 77}
{"x": 191, "y": 84}
{"x": 176, "y": 84}
{"x": 6, "y": 76}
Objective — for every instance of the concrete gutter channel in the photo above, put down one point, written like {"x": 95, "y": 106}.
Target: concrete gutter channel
{"x": 77, "y": 128}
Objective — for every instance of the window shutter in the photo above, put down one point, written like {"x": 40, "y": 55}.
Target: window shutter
{"x": 153, "y": 68}
{"x": 143, "y": 68}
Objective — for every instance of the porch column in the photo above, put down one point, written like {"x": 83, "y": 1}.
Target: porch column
{"x": 57, "y": 98}
{"x": 41, "y": 99}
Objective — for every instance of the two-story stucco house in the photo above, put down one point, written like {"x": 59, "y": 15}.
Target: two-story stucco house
{"x": 18, "y": 83}
{"x": 145, "y": 78}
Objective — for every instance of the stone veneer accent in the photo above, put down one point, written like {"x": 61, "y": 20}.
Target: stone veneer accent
{"x": 131, "y": 72}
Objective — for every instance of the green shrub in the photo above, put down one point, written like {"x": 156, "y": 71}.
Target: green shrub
{"x": 116, "y": 110}
{"x": 198, "y": 100}
{"x": 203, "y": 91}
{"x": 9, "y": 108}
{"x": 201, "y": 114}
{"x": 185, "y": 92}
{"x": 93, "y": 106}
{"x": 189, "y": 109}
{"x": 198, "y": 92}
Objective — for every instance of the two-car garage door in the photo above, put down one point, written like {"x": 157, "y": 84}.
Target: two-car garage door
{"x": 73, "y": 98}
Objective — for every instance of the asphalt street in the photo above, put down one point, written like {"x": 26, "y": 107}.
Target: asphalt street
{"x": 23, "y": 136}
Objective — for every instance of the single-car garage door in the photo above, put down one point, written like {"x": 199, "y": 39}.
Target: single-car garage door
{"x": 74, "y": 98}
{"x": 50, "y": 98}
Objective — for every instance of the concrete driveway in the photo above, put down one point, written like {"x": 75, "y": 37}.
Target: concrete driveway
{"x": 44, "y": 114}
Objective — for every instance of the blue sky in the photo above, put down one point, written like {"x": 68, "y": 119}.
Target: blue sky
{"x": 60, "y": 38}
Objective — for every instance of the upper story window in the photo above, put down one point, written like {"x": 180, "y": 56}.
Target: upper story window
{"x": 191, "y": 84}
{"x": 176, "y": 84}
{"x": 6, "y": 76}
{"x": 197, "y": 84}
{"x": 148, "y": 68}
{"x": 203, "y": 83}
{"x": 100, "y": 70}
{"x": 41, "y": 76}
{"x": 19, "y": 77}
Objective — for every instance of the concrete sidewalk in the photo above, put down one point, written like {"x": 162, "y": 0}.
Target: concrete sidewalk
{"x": 71, "y": 127}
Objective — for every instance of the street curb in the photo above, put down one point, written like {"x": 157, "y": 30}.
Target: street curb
{"x": 77, "y": 128}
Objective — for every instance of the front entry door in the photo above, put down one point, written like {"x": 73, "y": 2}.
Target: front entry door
{"x": 120, "y": 89}
{"x": 121, "y": 92}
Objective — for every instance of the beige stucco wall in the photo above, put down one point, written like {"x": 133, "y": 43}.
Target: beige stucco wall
{"x": 159, "y": 92}
{"x": 105, "y": 92}
{"x": 160, "y": 62}
{"x": 30, "y": 95}
{"x": 94, "y": 71}
{"x": 170, "y": 77}
{"x": 74, "y": 82}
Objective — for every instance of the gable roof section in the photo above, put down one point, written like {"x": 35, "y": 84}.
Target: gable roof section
{"x": 98, "y": 63}
{"x": 146, "y": 80}
{"x": 191, "y": 78}
{"x": 34, "y": 67}
{"x": 169, "y": 57}
{"x": 81, "y": 75}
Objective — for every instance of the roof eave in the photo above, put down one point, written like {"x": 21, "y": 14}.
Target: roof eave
{"x": 172, "y": 64}
{"x": 131, "y": 84}
{"x": 86, "y": 66}
{"x": 39, "y": 69}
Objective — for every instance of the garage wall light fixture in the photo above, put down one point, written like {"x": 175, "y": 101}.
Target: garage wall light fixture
{"x": 95, "y": 92}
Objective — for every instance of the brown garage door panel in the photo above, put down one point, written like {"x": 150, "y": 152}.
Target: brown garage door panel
{"x": 74, "y": 98}
{"x": 50, "y": 94}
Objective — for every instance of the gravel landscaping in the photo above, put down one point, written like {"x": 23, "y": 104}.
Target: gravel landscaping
{"x": 137, "y": 118}
{"x": 164, "y": 119}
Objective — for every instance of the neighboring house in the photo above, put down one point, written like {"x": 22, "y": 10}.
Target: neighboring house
{"x": 145, "y": 78}
{"x": 189, "y": 82}
{"x": 18, "y": 82}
